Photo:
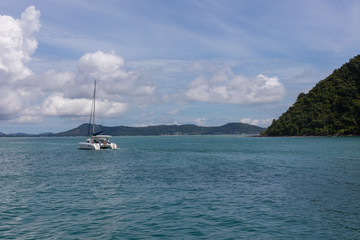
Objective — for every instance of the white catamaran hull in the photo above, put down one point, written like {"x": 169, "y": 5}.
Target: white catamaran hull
{"x": 89, "y": 146}
{"x": 108, "y": 146}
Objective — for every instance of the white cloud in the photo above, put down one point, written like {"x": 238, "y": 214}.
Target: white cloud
{"x": 102, "y": 66}
{"x": 257, "y": 122}
{"x": 49, "y": 81}
{"x": 226, "y": 87}
{"x": 57, "y": 105}
{"x": 200, "y": 121}
{"x": 29, "y": 97}
{"x": 11, "y": 102}
{"x": 30, "y": 24}
{"x": 17, "y": 44}
{"x": 27, "y": 119}
{"x": 71, "y": 93}
{"x": 108, "y": 69}
{"x": 173, "y": 112}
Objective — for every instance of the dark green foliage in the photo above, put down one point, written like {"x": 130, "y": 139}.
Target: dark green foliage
{"x": 332, "y": 107}
{"x": 189, "y": 129}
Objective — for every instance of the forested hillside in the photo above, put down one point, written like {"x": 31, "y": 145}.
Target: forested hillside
{"x": 188, "y": 129}
{"x": 332, "y": 107}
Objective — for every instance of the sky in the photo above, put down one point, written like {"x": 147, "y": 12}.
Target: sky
{"x": 204, "y": 62}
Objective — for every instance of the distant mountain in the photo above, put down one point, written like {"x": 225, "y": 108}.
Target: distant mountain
{"x": 45, "y": 134}
{"x": 19, "y": 135}
{"x": 332, "y": 107}
{"x": 189, "y": 129}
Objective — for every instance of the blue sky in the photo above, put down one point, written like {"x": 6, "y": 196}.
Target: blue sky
{"x": 166, "y": 62}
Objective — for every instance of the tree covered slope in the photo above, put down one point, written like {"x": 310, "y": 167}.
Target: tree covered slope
{"x": 332, "y": 107}
{"x": 189, "y": 129}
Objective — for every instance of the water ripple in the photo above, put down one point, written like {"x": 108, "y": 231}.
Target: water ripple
{"x": 181, "y": 188}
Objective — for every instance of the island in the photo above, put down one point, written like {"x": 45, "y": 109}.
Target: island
{"x": 332, "y": 107}
{"x": 158, "y": 130}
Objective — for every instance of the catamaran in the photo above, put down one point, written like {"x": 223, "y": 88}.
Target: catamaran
{"x": 96, "y": 141}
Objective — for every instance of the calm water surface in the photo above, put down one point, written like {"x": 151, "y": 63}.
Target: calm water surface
{"x": 181, "y": 187}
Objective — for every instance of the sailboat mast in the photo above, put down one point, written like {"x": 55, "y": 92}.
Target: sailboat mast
{"x": 93, "y": 113}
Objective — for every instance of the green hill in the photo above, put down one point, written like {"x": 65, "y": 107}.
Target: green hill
{"x": 189, "y": 129}
{"x": 332, "y": 107}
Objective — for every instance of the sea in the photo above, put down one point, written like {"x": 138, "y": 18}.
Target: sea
{"x": 181, "y": 187}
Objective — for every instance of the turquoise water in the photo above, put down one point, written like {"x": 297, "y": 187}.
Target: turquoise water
{"x": 181, "y": 187}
